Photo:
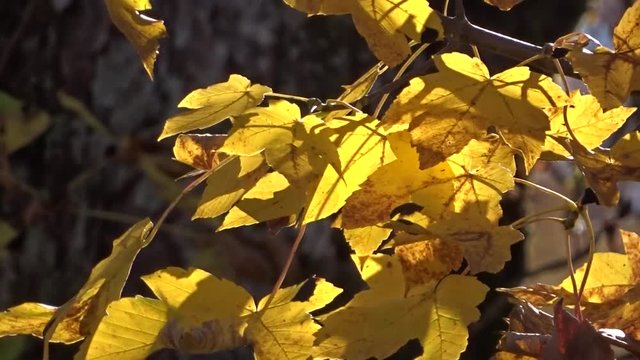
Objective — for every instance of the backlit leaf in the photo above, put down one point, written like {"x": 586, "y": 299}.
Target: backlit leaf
{"x": 142, "y": 31}
{"x": 198, "y": 151}
{"x": 611, "y": 75}
{"x": 590, "y": 125}
{"x": 104, "y": 285}
{"x": 286, "y": 329}
{"x": 381, "y": 319}
{"x": 365, "y": 240}
{"x": 428, "y": 261}
{"x": 480, "y": 173}
{"x": 31, "y": 319}
{"x": 132, "y": 330}
{"x": 385, "y": 24}
{"x": 212, "y": 105}
{"x": 272, "y": 197}
{"x": 228, "y": 183}
{"x": 603, "y": 168}
{"x": 445, "y": 110}
{"x": 262, "y": 127}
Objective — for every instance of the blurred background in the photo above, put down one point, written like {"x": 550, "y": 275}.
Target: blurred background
{"x": 87, "y": 165}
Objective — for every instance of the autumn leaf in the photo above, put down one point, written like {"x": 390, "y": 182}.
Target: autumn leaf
{"x": 104, "y": 285}
{"x": 589, "y": 124}
{"x": 142, "y": 31}
{"x": 195, "y": 312}
{"x": 228, "y": 183}
{"x": 612, "y": 75}
{"x": 215, "y": 103}
{"x": 271, "y": 198}
{"x": 198, "y": 150}
{"x": 365, "y": 240}
{"x": 381, "y": 319}
{"x": 262, "y": 127}
{"x": 385, "y": 24}
{"x": 445, "y": 110}
{"x": 603, "y": 168}
{"x": 356, "y": 91}
{"x": 429, "y": 261}
{"x": 32, "y": 318}
{"x": 480, "y": 173}
{"x": 285, "y": 330}
{"x": 130, "y": 331}
{"x": 504, "y": 5}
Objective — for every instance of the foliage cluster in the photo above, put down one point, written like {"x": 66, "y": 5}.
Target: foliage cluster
{"x": 415, "y": 188}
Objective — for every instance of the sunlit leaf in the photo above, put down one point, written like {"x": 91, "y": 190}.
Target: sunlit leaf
{"x": 480, "y": 173}
{"x": 604, "y": 168}
{"x": 590, "y": 125}
{"x": 385, "y": 24}
{"x": 142, "y": 31}
{"x": 198, "y": 151}
{"x": 362, "y": 148}
{"x": 286, "y": 329}
{"x": 612, "y": 75}
{"x": 131, "y": 330}
{"x": 228, "y": 183}
{"x": 31, "y": 319}
{"x": 428, "y": 261}
{"x": 212, "y": 105}
{"x": 104, "y": 285}
{"x": 365, "y": 240}
{"x": 263, "y": 127}
{"x": 272, "y": 197}
{"x": 381, "y": 319}
{"x": 445, "y": 110}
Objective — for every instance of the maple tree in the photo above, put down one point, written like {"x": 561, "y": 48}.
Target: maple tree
{"x": 448, "y": 145}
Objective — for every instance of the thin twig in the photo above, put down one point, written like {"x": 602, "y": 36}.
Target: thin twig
{"x": 572, "y": 273}
{"x": 592, "y": 248}
{"x": 572, "y": 205}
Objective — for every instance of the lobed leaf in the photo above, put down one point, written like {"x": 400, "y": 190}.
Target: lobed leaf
{"x": 212, "y": 105}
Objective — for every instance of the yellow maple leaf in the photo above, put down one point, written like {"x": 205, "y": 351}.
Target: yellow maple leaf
{"x": 612, "y": 75}
{"x": 362, "y": 148}
{"x": 272, "y": 197}
{"x": 195, "y": 312}
{"x": 286, "y": 329}
{"x": 228, "y": 183}
{"x": 103, "y": 286}
{"x": 480, "y": 173}
{"x": 590, "y": 125}
{"x": 262, "y": 127}
{"x": 142, "y": 31}
{"x": 381, "y": 319}
{"x": 130, "y": 331}
{"x": 603, "y": 168}
{"x": 445, "y": 110}
{"x": 622, "y": 313}
{"x": 210, "y": 106}
{"x": 428, "y": 261}
{"x": 385, "y": 24}
{"x": 198, "y": 150}
{"x": 365, "y": 240}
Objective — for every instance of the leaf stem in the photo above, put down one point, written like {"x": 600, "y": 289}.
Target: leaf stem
{"x": 573, "y": 207}
{"x": 527, "y": 219}
{"x": 287, "y": 97}
{"x": 543, "y": 218}
{"x": 592, "y": 248}
{"x": 283, "y": 274}
{"x": 572, "y": 272}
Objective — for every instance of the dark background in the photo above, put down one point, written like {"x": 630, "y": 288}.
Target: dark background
{"x": 74, "y": 189}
